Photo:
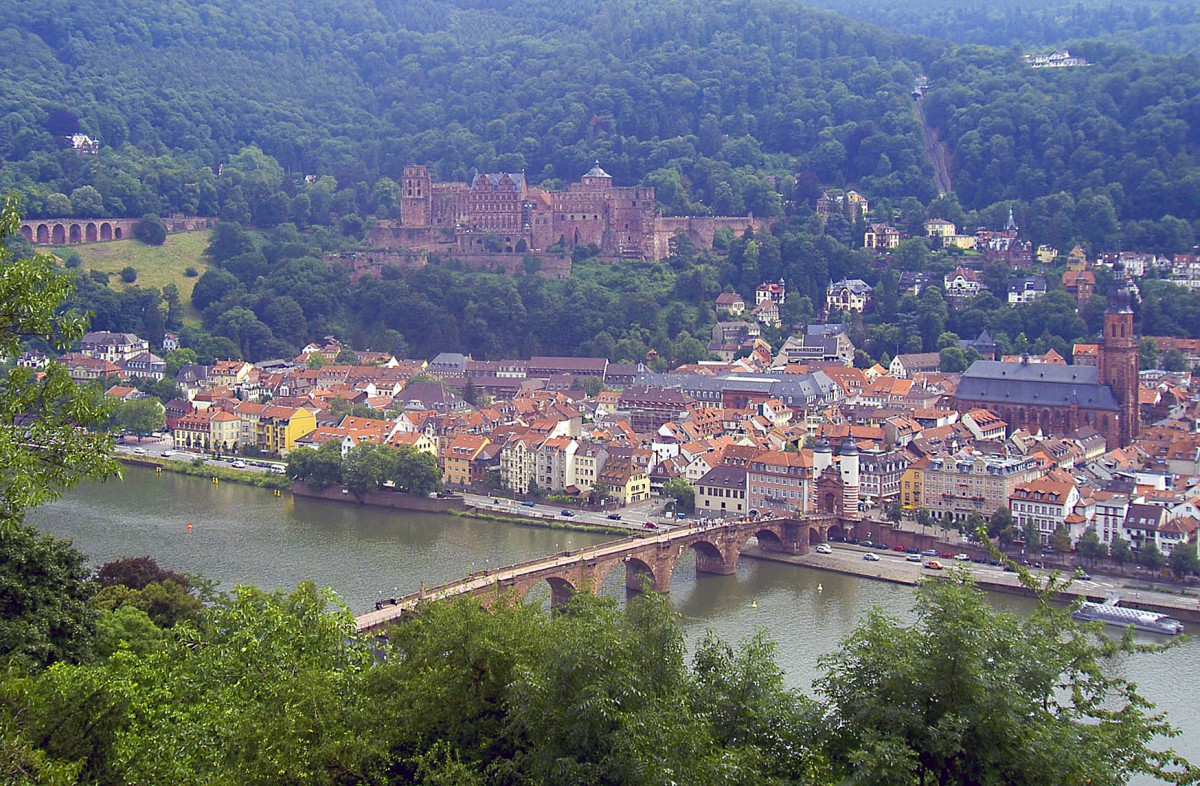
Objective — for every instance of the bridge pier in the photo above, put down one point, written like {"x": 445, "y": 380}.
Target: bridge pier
{"x": 712, "y": 562}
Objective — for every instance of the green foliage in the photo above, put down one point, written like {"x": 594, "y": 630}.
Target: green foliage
{"x": 1060, "y": 539}
{"x": 136, "y": 573}
{"x": 1089, "y": 547}
{"x": 140, "y": 416}
{"x": 969, "y": 694}
{"x": 1148, "y": 556}
{"x": 150, "y": 230}
{"x": 367, "y": 467}
{"x": 320, "y": 468}
{"x": 166, "y": 603}
{"x": 1001, "y": 524}
{"x": 682, "y": 492}
{"x": 1183, "y": 560}
{"x": 1120, "y": 551}
{"x": 43, "y": 448}
{"x": 45, "y": 613}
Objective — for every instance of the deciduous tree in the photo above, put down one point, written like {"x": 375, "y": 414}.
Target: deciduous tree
{"x": 971, "y": 695}
{"x": 45, "y": 444}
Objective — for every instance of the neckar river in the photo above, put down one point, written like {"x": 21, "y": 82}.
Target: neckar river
{"x": 242, "y": 534}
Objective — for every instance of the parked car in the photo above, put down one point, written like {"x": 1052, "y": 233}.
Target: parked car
{"x": 651, "y": 525}
{"x": 898, "y": 548}
{"x": 880, "y": 546}
{"x": 929, "y": 553}
{"x": 945, "y": 555}
{"x": 567, "y": 513}
{"x": 824, "y": 548}
{"x": 870, "y": 557}
{"x": 913, "y": 558}
{"x": 1083, "y": 575}
{"x": 140, "y": 451}
{"x": 866, "y": 544}
{"x": 239, "y": 464}
{"x": 614, "y": 516}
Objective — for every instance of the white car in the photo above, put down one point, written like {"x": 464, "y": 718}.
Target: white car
{"x": 871, "y": 557}
{"x": 140, "y": 451}
{"x": 962, "y": 557}
{"x": 239, "y": 464}
{"x": 823, "y": 548}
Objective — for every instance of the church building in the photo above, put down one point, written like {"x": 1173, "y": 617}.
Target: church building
{"x": 1058, "y": 399}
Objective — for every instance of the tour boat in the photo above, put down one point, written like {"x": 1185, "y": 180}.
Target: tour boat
{"x": 1110, "y": 613}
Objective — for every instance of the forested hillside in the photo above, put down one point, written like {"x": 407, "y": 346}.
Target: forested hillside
{"x": 1159, "y": 26}
{"x": 701, "y": 100}
{"x": 681, "y": 94}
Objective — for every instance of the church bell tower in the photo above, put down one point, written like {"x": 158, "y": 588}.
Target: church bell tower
{"x": 1119, "y": 364}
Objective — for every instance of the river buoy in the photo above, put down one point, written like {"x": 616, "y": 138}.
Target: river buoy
{"x": 820, "y": 588}
{"x": 754, "y": 604}
{"x": 189, "y": 526}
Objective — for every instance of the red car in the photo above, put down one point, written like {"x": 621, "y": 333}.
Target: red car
{"x": 946, "y": 555}
{"x": 898, "y": 548}
{"x": 651, "y": 525}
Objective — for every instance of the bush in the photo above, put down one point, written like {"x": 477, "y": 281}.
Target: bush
{"x": 150, "y": 230}
{"x": 71, "y": 259}
{"x": 128, "y": 274}
{"x": 191, "y": 272}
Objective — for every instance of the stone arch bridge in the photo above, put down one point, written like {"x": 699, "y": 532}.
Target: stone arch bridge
{"x": 648, "y": 557}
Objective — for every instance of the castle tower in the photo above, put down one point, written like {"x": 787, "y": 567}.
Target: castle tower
{"x": 849, "y": 466}
{"x": 415, "y": 196}
{"x": 596, "y": 178}
{"x": 1119, "y": 365}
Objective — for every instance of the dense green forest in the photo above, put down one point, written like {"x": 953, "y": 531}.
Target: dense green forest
{"x": 222, "y": 108}
{"x": 1037, "y": 25}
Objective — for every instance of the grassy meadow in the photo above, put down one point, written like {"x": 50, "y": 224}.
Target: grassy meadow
{"x": 156, "y": 266}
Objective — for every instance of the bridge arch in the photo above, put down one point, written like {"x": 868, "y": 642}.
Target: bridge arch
{"x": 710, "y": 558}
{"x": 106, "y": 231}
{"x": 561, "y": 591}
{"x": 767, "y": 541}
{"x": 90, "y": 233}
{"x": 27, "y": 232}
{"x": 58, "y": 234}
{"x": 76, "y": 233}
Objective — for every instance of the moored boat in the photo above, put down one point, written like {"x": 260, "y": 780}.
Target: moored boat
{"x": 1112, "y": 614}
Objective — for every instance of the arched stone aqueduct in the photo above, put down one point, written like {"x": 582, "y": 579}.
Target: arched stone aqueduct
{"x": 648, "y": 559}
{"x": 64, "y": 231}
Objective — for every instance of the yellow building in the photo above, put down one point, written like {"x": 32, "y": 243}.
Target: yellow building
{"x": 209, "y": 431}
{"x": 625, "y": 483}
{"x": 278, "y": 428}
{"x": 911, "y": 485}
{"x": 462, "y": 451}
{"x": 415, "y": 440}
